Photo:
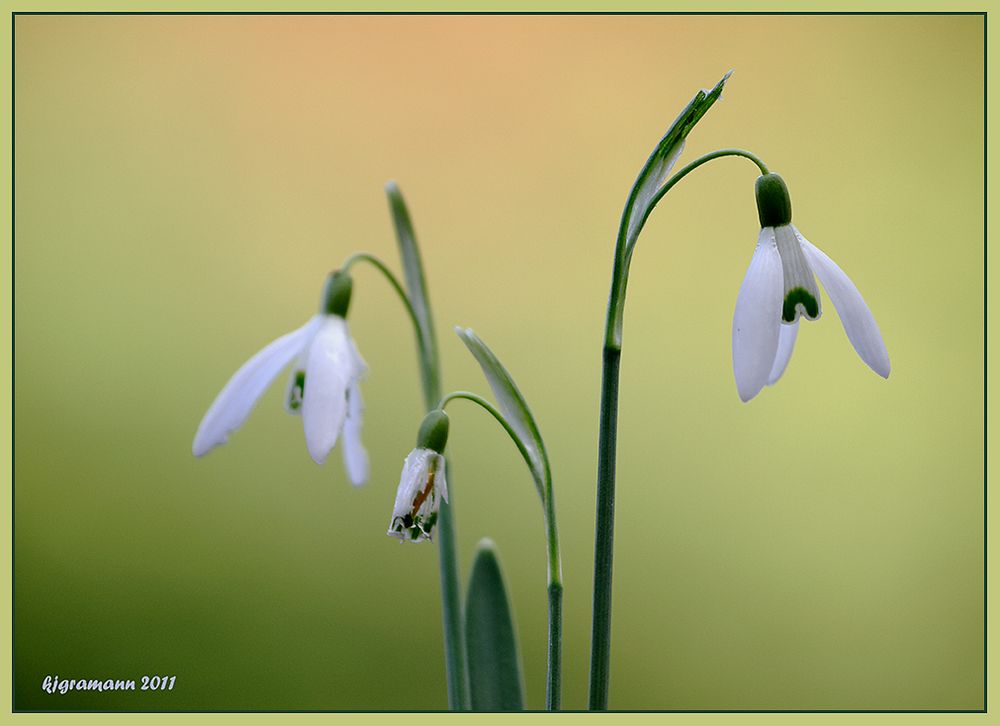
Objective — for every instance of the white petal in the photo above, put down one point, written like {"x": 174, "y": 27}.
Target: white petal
{"x": 360, "y": 367}
{"x": 411, "y": 480}
{"x": 329, "y": 372}
{"x": 786, "y": 343}
{"x": 239, "y": 396}
{"x": 442, "y": 478}
{"x": 355, "y": 456}
{"x": 757, "y": 318}
{"x": 860, "y": 326}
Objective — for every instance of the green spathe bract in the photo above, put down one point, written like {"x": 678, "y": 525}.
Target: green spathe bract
{"x": 495, "y": 681}
{"x": 513, "y": 406}
{"x": 642, "y": 198}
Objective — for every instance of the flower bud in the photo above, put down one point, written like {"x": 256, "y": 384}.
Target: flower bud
{"x": 774, "y": 206}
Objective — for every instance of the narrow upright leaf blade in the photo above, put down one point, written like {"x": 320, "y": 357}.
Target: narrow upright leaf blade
{"x": 416, "y": 288}
{"x": 495, "y": 680}
{"x": 512, "y": 406}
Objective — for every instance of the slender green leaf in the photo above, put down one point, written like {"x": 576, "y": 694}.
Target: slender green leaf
{"x": 416, "y": 286}
{"x": 495, "y": 681}
{"x": 514, "y": 407}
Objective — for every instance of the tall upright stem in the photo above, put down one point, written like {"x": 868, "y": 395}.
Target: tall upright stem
{"x": 451, "y": 589}
{"x": 604, "y": 538}
{"x": 451, "y": 611}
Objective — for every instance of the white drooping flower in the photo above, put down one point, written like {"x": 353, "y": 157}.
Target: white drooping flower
{"x": 780, "y": 286}
{"x": 422, "y": 485}
{"x": 324, "y": 386}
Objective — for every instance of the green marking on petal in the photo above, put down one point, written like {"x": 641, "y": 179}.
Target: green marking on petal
{"x": 296, "y": 390}
{"x": 799, "y": 296}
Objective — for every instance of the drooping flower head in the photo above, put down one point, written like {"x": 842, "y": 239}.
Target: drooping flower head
{"x": 323, "y": 386}
{"x": 780, "y": 287}
{"x": 422, "y": 485}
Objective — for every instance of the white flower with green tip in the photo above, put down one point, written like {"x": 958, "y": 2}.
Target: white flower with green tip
{"x": 780, "y": 286}
{"x": 323, "y": 387}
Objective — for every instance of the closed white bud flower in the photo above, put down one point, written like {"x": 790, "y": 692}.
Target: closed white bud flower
{"x": 422, "y": 486}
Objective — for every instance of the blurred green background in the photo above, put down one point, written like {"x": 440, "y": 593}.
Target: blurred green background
{"x": 183, "y": 184}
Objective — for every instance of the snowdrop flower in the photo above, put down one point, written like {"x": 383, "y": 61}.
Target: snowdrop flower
{"x": 323, "y": 386}
{"x": 422, "y": 484}
{"x": 779, "y": 287}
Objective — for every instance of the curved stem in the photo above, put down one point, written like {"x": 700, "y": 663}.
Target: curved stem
{"x": 718, "y": 154}
{"x": 604, "y": 538}
{"x": 394, "y": 283}
{"x": 555, "y": 588}
{"x": 669, "y": 184}
{"x": 490, "y": 409}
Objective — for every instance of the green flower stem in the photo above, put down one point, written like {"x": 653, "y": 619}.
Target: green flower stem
{"x": 394, "y": 283}
{"x": 604, "y": 537}
{"x": 555, "y": 588}
{"x": 451, "y": 602}
{"x": 604, "y": 540}
{"x": 451, "y": 606}
{"x": 718, "y": 154}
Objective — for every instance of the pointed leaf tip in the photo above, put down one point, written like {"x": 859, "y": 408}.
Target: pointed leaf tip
{"x": 416, "y": 288}
{"x": 486, "y": 544}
